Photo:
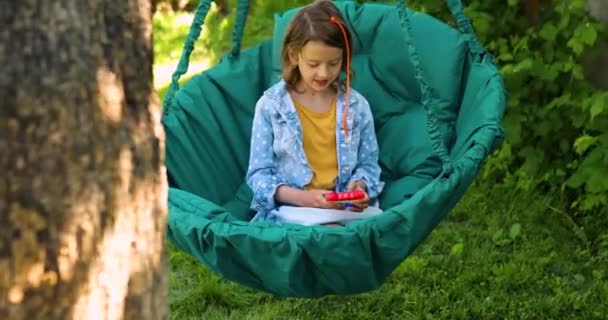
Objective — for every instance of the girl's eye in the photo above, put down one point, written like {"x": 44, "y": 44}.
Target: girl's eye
{"x": 313, "y": 65}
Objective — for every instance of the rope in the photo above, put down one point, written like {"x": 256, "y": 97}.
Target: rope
{"x": 465, "y": 26}
{"x": 184, "y": 61}
{"x": 239, "y": 27}
{"x": 195, "y": 30}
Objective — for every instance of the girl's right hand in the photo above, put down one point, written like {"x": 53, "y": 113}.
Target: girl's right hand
{"x": 316, "y": 199}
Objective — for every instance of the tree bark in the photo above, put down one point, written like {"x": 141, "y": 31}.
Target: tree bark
{"x": 596, "y": 65}
{"x": 82, "y": 183}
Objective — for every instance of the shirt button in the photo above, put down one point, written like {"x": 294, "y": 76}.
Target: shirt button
{"x": 347, "y": 140}
{"x": 346, "y": 169}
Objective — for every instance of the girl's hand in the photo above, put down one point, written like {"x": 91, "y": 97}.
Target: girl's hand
{"x": 315, "y": 199}
{"x": 358, "y": 205}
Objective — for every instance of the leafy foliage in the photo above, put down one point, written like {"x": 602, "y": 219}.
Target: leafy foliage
{"x": 556, "y": 121}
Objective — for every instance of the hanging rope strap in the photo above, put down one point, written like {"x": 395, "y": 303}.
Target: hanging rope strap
{"x": 184, "y": 60}
{"x": 239, "y": 27}
{"x": 427, "y": 98}
{"x": 464, "y": 24}
{"x": 425, "y": 91}
{"x": 195, "y": 31}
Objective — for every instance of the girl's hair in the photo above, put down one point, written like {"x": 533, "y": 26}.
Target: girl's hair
{"x": 314, "y": 23}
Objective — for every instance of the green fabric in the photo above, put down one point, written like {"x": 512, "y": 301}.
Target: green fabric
{"x": 440, "y": 130}
{"x": 208, "y": 127}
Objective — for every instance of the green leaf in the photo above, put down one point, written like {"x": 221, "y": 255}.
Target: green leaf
{"x": 579, "y": 119}
{"x": 593, "y": 201}
{"x": 544, "y": 128}
{"x": 505, "y": 56}
{"x": 564, "y": 22}
{"x": 577, "y": 180}
{"x": 576, "y": 4}
{"x": 533, "y": 159}
{"x": 594, "y": 158}
{"x": 603, "y": 139}
{"x": 548, "y": 32}
{"x": 576, "y": 45}
{"x": 497, "y": 235}
{"x": 591, "y": 166}
{"x": 551, "y": 73}
{"x": 457, "y": 249}
{"x": 583, "y": 143}
{"x": 598, "y": 107}
{"x": 513, "y": 126}
{"x": 588, "y": 34}
{"x": 564, "y": 145}
{"x": 597, "y": 182}
{"x": 577, "y": 72}
{"x": 515, "y": 231}
{"x": 525, "y": 64}
{"x": 562, "y": 100}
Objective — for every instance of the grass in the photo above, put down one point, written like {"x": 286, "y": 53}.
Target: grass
{"x": 502, "y": 253}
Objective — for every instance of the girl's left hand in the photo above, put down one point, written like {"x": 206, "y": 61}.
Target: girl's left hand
{"x": 358, "y": 205}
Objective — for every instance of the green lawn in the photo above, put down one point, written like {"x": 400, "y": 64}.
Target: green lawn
{"x": 502, "y": 253}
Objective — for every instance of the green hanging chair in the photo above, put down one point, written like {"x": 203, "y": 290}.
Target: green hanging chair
{"x": 437, "y": 99}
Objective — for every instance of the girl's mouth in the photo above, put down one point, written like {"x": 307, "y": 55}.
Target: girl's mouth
{"x": 321, "y": 83}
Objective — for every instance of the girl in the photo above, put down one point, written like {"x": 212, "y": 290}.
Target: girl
{"x": 312, "y": 133}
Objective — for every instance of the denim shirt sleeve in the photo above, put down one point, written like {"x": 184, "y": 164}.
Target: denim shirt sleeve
{"x": 261, "y": 173}
{"x": 367, "y": 168}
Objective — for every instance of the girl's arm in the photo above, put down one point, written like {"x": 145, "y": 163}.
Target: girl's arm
{"x": 367, "y": 169}
{"x": 291, "y": 195}
{"x": 304, "y": 198}
{"x": 261, "y": 174}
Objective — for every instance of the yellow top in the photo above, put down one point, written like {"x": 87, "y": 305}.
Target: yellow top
{"x": 319, "y": 140}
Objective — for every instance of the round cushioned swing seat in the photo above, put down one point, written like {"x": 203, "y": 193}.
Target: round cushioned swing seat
{"x": 428, "y": 155}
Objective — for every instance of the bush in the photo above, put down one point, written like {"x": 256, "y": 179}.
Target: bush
{"x": 556, "y": 121}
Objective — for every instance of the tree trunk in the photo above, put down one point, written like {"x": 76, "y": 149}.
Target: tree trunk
{"x": 596, "y": 65}
{"x": 82, "y": 184}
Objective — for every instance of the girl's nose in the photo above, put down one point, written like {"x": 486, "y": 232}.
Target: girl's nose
{"x": 323, "y": 71}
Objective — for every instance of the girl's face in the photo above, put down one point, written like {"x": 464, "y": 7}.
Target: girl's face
{"x": 319, "y": 65}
